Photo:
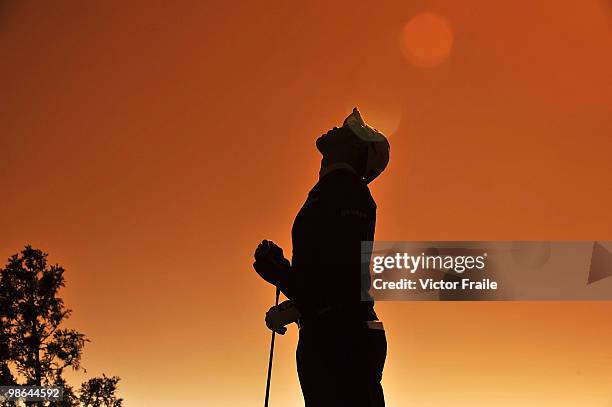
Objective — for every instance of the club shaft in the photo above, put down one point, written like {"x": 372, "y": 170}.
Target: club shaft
{"x": 271, "y": 357}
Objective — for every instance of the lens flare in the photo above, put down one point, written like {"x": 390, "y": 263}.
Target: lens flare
{"x": 427, "y": 40}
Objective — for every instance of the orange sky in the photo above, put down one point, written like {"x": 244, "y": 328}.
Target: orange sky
{"x": 149, "y": 146}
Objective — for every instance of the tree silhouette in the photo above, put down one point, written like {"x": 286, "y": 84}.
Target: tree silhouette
{"x": 38, "y": 347}
{"x": 69, "y": 399}
{"x": 100, "y": 392}
{"x": 6, "y": 378}
{"x": 35, "y": 349}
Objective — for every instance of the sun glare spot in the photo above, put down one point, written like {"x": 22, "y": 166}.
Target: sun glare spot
{"x": 427, "y": 40}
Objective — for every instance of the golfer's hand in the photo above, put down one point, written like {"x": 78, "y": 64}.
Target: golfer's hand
{"x": 281, "y": 315}
{"x": 270, "y": 251}
{"x": 270, "y": 262}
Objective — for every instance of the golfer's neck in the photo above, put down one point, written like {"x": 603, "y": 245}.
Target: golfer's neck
{"x": 326, "y": 168}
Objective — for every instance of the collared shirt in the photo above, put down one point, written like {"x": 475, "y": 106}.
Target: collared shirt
{"x": 337, "y": 216}
{"x": 335, "y": 166}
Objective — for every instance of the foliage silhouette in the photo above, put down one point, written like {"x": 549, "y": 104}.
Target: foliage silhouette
{"x": 35, "y": 348}
{"x": 100, "y": 392}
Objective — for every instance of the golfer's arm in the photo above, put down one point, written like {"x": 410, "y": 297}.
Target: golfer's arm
{"x": 292, "y": 285}
{"x": 286, "y": 283}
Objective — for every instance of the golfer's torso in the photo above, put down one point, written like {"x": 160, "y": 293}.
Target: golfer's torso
{"x": 337, "y": 216}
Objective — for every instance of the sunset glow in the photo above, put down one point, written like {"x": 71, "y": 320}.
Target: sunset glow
{"x": 148, "y": 147}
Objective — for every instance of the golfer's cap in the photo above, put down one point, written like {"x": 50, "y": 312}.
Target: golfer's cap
{"x": 377, "y": 143}
{"x": 359, "y": 127}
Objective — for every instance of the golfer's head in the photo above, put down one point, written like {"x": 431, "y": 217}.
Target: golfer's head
{"x": 340, "y": 145}
{"x": 363, "y": 147}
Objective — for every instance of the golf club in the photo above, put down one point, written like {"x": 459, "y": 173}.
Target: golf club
{"x": 271, "y": 356}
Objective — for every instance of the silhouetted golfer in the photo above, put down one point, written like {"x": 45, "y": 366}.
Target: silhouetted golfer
{"x": 342, "y": 345}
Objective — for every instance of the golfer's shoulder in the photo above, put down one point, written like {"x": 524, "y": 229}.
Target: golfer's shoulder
{"x": 347, "y": 191}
